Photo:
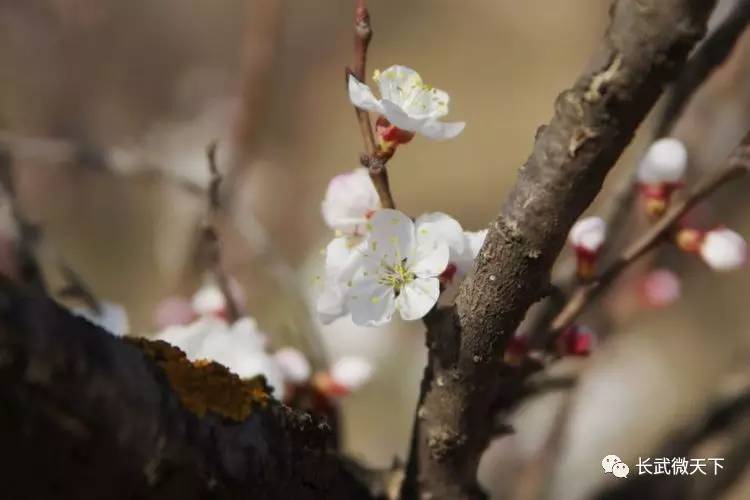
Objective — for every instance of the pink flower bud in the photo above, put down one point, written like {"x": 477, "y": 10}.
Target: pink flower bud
{"x": 516, "y": 350}
{"x": 660, "y": 288}
{"x": 723, "y": 250}
{"x": 661, "y": 172}
{"x": 664, "y": 163}
{"x": 689, "y": 239}
{"x": 587, "y": 237}
{"x": 347, "y": 375}
{"x": 576, "y": 341}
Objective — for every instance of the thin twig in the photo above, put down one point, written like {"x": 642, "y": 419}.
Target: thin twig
{"x": 211, "y": 237}
{"x": 737, "y": 166}
{"x": 372, "y": 160}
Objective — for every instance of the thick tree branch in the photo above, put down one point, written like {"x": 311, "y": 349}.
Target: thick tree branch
{"x": 88, "y": 415}
{"x": 644, "y": 47}
{"x": 738, "y": 165}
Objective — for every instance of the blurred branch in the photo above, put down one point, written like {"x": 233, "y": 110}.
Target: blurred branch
{"x": 711, "y": 54}
{"x": 738, "y": 165}
{"x": 728, "y": 423}
{"x": 372, "y": 160}
{"x": 88, "y": 415}
{"x": 210, "y": 238}
{"x": 27, "y": 234}
{"x": 260, "y": 46}
{"x": 594, "y": 121}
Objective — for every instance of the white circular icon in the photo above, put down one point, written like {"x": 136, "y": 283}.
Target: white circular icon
{"x": 609, "y": 462}
{"x": 620, "y": 469}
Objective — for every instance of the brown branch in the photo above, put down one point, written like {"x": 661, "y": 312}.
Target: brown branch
{"x": 374, "y": 162}
{"x": 646, "y": 44}
{"x": 737, "y": 166}
{"x": 211, "y": 238}
{"x": 88, "y": 415}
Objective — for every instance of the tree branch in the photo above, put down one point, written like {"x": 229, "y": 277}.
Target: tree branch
{"x": 738, "y": 165}
{"x": 644, "y": 47}
{"x": 88, "y": 415}
{"x": 371, "y": 159}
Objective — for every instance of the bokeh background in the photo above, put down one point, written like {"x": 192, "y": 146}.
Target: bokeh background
{"x": 108, "y": 106}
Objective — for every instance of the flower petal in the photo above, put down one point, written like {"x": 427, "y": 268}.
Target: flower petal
{"x": 440, "y": 131}
{"x": 437, "y": 227}
{"x": 371, "y": 303}
{"x": 417, "y": 298}
{"x": 398, "y": 117}
{"x": 432, "y": 262}
{"x": 350, "y": 199}
{"x": 391, "y": 237}
{"x": 397, "y": 82}
{"x": 362, "y": 97}
{"x": 331, "y": 304}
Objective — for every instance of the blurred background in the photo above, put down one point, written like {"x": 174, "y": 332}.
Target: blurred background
{"x": 108, "y": 106}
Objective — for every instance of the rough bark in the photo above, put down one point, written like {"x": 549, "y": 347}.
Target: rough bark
{"x": 645, "y": 45}
{"x": 87, "y": 415}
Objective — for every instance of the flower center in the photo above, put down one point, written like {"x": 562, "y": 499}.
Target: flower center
{"x": 397, "y": 276}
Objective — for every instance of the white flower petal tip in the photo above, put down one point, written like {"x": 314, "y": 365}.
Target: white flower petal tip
{"x": 350, "y": 200}
{"x": 589, "y": 234}
{"x": 111, "y": 317}
{"x": 351, "y": 373}
{"x": 724, "y": 250}
{"x": 295, "y": 368}
{"x": 406, "y": 102}
{"x": 664, "y": 163}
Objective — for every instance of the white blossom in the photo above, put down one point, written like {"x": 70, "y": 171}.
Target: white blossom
{"x": 111, "y": 317}
{"x": 665, "y": 162}
{"x": 241, "y": 347}
{"x": 350, "y": 200}
{"x": 723, "y": 250}
{"x": 398, "y": 270}
{"x": 407, "y": 102}
{"x": 350, "y": 373}
{"x": 341, "y": 263}
{"x": 588, "y": 234}
{"x": 209, "y": 300}
{"x": 294, "y": 366}
{"x": 461, "y": 262}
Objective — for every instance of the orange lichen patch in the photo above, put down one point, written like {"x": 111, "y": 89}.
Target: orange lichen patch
{"x": 205, "y": 386}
